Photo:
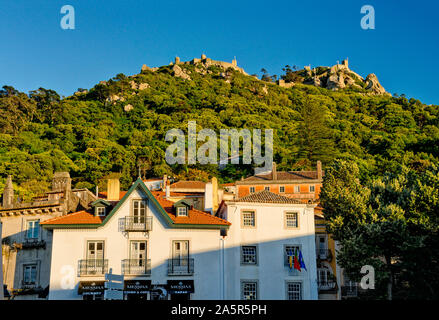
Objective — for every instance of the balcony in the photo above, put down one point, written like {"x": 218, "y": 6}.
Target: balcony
{"x": 33, "y": 244}
{"x": 140, "y": 224}
{"x": 324, "y": 254}
{"x": 92, "y": 267}
{"x": 183, "y": 266}
{"x": 136, "y": 267}
{"x": 327, "y": 286}
{"x": 349, "y": 291}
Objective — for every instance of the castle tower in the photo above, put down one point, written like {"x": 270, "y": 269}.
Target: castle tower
{"x": 61, "y": 181}
{"x": 234, "y": 62}
{"x": 8, "y": 194}
{"x": 177, "y": 60}
{"x": 203, "y": 57}
{"x": 345, "y": 63}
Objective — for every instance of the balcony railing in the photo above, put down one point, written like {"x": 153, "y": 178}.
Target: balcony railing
{"x": 329, "y": 285}
{"x": 324, "y": 254}
{"x": 142, "y": 224}
{"x": 183, "y": 266}
{"x": 136, "y": 267}
{"x": 33, "y": 244}
{"x": 90, "y": 267}
{"x": 349, "y": 291}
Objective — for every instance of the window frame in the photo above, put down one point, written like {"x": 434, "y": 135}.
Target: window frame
{"x": 313, "y": 187}
{"x": 243, "y": 282}
{"x": 287, "y": 283}
{"x": 252, "y": 188}
{"x": 243, "y": 211}
{"x": 186, "y": 211}
{"x": 32, "y": 230}
{"x": 296, "y": 189}
{"x": 266, "y": 188}
{"x": 286, "y": 220}
{"x": 30, "y": 265}
{"x": 281, "y": 187}
{"x": 243, "y": 263}
{"x": 99, "y": 213}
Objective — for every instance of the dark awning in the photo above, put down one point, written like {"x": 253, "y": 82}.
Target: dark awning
{"x": 180, "y": 286}
{"x": 137, "y": 286}
{"x": 91, "y": 287}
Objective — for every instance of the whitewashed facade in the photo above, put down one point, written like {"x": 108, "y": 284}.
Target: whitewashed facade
{"x": 194, "y": 244}
{"x": 264, "y": 227}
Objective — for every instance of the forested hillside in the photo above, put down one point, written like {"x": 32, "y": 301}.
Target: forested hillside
{"x": 121, "y": 123}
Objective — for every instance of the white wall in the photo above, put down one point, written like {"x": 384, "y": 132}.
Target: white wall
{"x": 69, "y": 246}
{"x": 270, "y": 235}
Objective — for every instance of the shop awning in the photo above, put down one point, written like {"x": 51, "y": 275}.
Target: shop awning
{"x": 180, "y": 286}
{"x": 91, "y": 287}
{"x": 137, "y": 286}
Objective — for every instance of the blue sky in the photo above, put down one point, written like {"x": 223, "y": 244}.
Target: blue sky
{"x": 119, "y": 36}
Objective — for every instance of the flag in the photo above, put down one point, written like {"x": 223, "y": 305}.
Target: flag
{"x": 301, "y": 261}
{"x": 296, "y": 261}
{"x": 290, "y": 259}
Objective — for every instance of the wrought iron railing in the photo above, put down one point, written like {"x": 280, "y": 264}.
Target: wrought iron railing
{"x": 142, "y": 224}
{"x": 92, "y": 267}
{"x": 329, "y": 285}
{"x": 136, "y": 266}
{"x": 182, "y": 266}
{"x": 324, "y": 254}
{"x": 349, "y": 291}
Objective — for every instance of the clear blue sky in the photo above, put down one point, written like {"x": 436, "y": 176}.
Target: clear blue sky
{"x": 119, "y": 36}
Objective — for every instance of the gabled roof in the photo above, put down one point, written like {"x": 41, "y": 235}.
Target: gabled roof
{"x": 266, "y": 196}
{"x": 104, "y": 202}
{"x": 196, "y": 218}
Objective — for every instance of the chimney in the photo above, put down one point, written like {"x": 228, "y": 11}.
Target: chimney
{"x": 208, "y": 197}
{"x": 168, "y": 189}
{"x": 274, "y": 171}
{"x": 113, "y": 189}
{"x": 214, "y": 194}
{"x": 8, "y": 194}
{"x": 165, "y": 182}
{"x": 319, "y": 170}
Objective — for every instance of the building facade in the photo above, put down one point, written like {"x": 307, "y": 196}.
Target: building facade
{"x": 267, "y": 230}
{"x": 164, "y": 249}
{"x": 26, "y": 247}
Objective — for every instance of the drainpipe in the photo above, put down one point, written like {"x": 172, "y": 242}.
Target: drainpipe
{"x": 222, "y": 270}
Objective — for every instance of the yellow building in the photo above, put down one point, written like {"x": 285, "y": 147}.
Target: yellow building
{"x": 328, "y": 272}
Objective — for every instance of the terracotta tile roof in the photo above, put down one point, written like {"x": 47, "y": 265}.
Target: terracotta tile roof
{"x": 266, "y": 196}
{"x": 230, "y": 184}
{"x": 196, "y": 217}
{"x": 283, "y": 176}
{"x": 188, "y": 185}
{"x": 80, "y": 217}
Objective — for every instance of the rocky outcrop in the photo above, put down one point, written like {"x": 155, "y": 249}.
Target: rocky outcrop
{"x": 373, "y": 85}
{"x": 128, "y": 108}
{"x": 179, "y": 73}
{"x": 138, "y": 86}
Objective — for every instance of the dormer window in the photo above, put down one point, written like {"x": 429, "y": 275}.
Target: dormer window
{"x": 182, "y": 212}
{"x": 100, "y": 211}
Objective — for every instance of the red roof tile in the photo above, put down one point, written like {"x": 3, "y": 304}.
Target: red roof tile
{"x": 188, "y": 185}
{"x": 80, "y": 217}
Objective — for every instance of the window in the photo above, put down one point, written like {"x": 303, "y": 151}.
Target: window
{"x": 249, "y": 255}
{"x": 95, "y": 250}
{"x": 267, "y": 188}
{"x": 33, "y": 229}
{"x": 249, "y": 290}
{"x": 291, "y": 220}
{"x": 29, "y": 274}
{"x": 294, "y": 290}
{"x": 182, "y": 211}
{"x": 322, "y": 276}
{"x": 297, "y": 189}
{"x": 252, "y": 189}
{"x": 282, "y": 189}
{"x": 290, "y": 251}
{"x": 139, "y": 211}
{"x": 312, "y": 188}
{"x": 248, "y": 219}
{"x": 100, "y": 211}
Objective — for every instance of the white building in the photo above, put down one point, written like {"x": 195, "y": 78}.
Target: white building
{"x": 164, "y": 249}
{"x": 266, "y": 229}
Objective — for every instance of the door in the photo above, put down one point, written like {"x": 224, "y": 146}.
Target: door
{"x": 180, "y": 255}
{"x": 139, "y": 212}
{"x": 95, "y": 257}
{"x": 138, "y": 257}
